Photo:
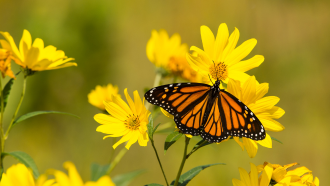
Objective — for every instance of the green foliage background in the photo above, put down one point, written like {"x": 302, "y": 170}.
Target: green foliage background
{"x": 108, "y": 41}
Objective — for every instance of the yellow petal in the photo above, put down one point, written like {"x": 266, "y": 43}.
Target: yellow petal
{"x": 115, "y": 110}
{"x": 276, "y": 112}
{"x": 239, "y": 76}
{"x": 254, "y": 175}
{"x": 130, "y": 101}
{"x": 264, "y": 104}
{"x": 262, "y": 89}
{"x": 299, "y": 171}
{"x": 271, "y": 124}
{"x": 239, "y": 142}
{"x": 232, "y": 41}
{"x": 234, "y": 87}
{"x": 138, "y": 103}
{"x": 32, "y": 57}
{"x": 74, "y": 176}
{"x": 206, "y": 60}
{"x": 237, "y": 182}
{"x": 208, "y": 40}
{"x": 278, "y": 174}
{"x": 133, "y": 139}
{"x": 121, "y": 103}
{"x": 250, "y": 146}
{"x": 106, "y": 119}
{"x": 317, "y": 181}
{"x": 123, "y": 139}
{"x": 240, "y": 52}
{"x": 12, "y": 44}
{"x": 166, "y": 113}
{"x": 267, "y": 142}
{"x": 197, "y": 64}
{"x": 25, "y": 43}
{"x": 249, "y": 64}
{"x": 244, "y": 177}
{"x": 266, "y": 175}
{"x": 284, "y": 182}
{"x": 220, "y": 42}
{"x": 249, "y": 91}
{"x": 151, "y": 45}
{"x": 143, "y": 139}
{"x": 112, "y": 129}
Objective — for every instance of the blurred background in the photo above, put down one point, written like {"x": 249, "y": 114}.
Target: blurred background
{"x": 108, "y": 41}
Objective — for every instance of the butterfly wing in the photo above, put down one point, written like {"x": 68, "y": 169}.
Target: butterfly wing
{"x": 238, "y": 119}
{"x": 187, "y": 102}
{"x": 214, "y": 129}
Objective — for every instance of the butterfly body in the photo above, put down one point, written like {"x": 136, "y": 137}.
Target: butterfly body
{"x": 201, "y": 109}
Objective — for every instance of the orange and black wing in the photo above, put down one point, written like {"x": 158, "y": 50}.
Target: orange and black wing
{"x": 213, "y": 129}
{"x": 238, "y": 119}
{"x": 187, "y": 102}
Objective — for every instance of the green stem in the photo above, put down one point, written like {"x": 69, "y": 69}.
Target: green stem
{"x": 183, "y": 161}
{"x": 17, "y": 109}
{"x": 1, "y": 129}
{"x": 119, "y": 156}
{"x": 160, "y": 164}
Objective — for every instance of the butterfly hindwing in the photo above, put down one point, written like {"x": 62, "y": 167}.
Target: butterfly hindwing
{"x": 213, "y": 129}
{"x": 238, "y": 119}
{"x": 185, "y": 101}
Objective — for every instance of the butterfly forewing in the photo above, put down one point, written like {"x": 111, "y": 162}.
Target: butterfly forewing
{"x": 187, "y": 102}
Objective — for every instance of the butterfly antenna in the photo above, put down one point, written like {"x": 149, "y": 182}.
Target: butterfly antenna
{"x": 210, "y": 78}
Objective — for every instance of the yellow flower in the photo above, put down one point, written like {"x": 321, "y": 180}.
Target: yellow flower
{"x": 35, "y": 56}
{"x": 73, "y": 178}
{"x": 20, "y": 175}
{"x": 170, "y": 54}
{"x": 251, "y": 179}
{"x": 299, "y": 176}
{"x": 129, "y": 121}
{"x": 5, "y": 66}
{"x": 276, "y": 175}
{"x": 251, "y": 94}
{"x": 102, "y": 93}
{"x": 220, "y": 58}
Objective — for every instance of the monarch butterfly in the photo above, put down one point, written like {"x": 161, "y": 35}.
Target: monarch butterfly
{"x": 201, "y": 109}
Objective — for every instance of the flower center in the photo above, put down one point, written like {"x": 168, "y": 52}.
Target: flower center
{"x": 133, "y": 122}
{"x": 219, "y": 71}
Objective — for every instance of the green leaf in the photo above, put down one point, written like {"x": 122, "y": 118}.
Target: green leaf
{"x": 171, "y": 139}
{"x": 155, "y": 129}
{"x": 150, "y": 127}
{"x": 25, "y": 159}
{"x": 126, "y": 179}
{"x": 188, "y": 176}
{"x": 154, "y": 184}
{"x": 6, "y": 92}
{"x": 97, "y": 171}
{"x": 276, "y": 140}
{"x": 35, "y": 113}
{"x": 198, "y": 145}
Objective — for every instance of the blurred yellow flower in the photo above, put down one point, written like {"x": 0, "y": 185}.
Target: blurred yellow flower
{"x": 251, "y": 94}
{"x": 20, "y": 175}
{"x": 102, "y": 93}
{"x": 251, "y": 179}
{"x": 73, "y": 178}
{"x": 5, "y": 65}
{"x": 129, "y": 121}
{"x": 35, "y": 56}
{"x": 220, "y": 58}
{"x": 170, "y": 54}
{"x": 282, "y": 177}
